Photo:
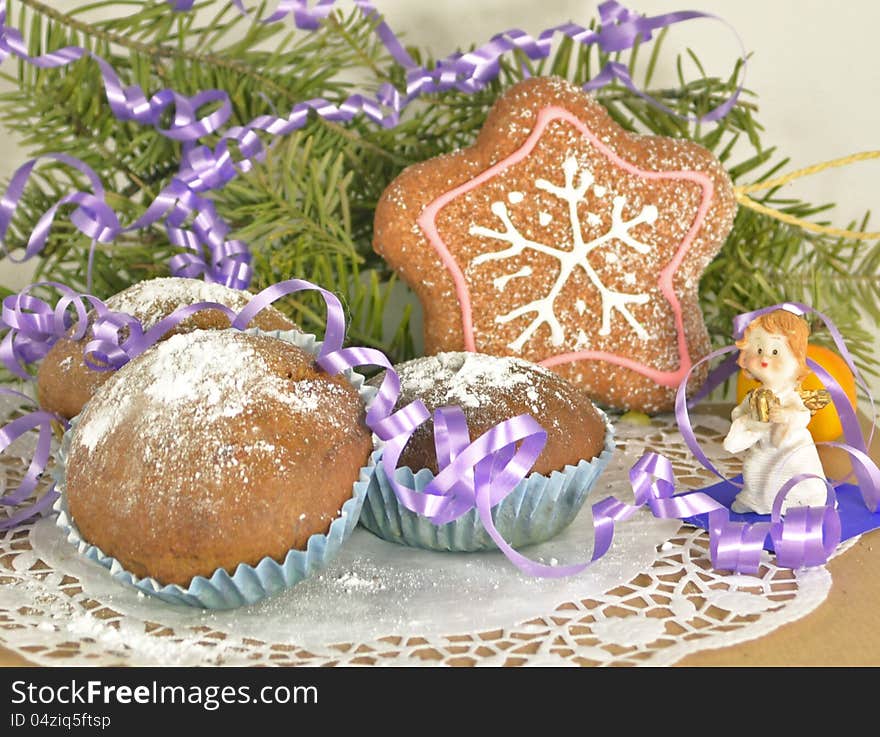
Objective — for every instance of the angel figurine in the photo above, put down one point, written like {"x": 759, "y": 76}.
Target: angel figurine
{"x": 770, "y": 425}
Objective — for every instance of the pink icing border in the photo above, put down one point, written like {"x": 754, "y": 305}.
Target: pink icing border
{"x": 427, "y": 222}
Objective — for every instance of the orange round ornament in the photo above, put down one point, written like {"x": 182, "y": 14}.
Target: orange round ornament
{"x": 825, "y": 424}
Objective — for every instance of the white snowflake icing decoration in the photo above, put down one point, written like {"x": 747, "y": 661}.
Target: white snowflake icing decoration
{"x": 569, "y": 260}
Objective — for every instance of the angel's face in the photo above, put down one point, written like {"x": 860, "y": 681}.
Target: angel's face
{"x": 768, "y": 358}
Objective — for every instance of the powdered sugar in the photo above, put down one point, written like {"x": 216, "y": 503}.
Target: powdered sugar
{"x": 350, "y": 581}
{"x": 149, "y": 301}
{"x": 207, "y": 375}
{"x": 467, "y": 379}
{"x": 215, "y": 373}
{"x": 102, "y": 424}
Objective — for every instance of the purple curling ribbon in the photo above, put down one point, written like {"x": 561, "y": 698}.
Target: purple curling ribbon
{"x": 33, "y": 326}
{"x": 808, "y": 535}
{"x": 92, "y": 215}
{"x": 304, "y": 17}
{"x": 129, "y": 103}
{"x": 229, "y": 261}
{"x": 37, "y": 420}
{"x": 206, "y": 250}
{"x": 620, "y": 30}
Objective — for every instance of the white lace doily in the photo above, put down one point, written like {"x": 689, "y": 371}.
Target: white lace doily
{"x": 652, "y": 600}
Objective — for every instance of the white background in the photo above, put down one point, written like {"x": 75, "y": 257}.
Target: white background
{"x": 814, "y": 66}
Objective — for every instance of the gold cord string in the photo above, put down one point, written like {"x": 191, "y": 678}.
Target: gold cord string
{"x": 742, "y": 196}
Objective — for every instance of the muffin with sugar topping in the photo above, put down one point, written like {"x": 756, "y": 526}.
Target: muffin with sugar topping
{"x": 490, "y": 390}
{"x": 210, "y": 450}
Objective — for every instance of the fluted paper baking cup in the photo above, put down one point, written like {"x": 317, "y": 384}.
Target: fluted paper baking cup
{"x": 539, "y": 508}
{"x": 248, "y": 584}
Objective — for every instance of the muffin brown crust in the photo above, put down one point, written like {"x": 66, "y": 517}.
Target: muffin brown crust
{"x": 211, "y": 449}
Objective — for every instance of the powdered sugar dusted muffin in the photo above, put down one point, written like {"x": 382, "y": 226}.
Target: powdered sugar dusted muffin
{"x": 65, "y": 383}
{"x": 211, "y": 449}
{"x": 489, "y": 390}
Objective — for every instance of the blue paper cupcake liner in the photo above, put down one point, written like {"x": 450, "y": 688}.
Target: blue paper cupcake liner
{"x": 539, "y": 508}
{"x": 248, "y": 584}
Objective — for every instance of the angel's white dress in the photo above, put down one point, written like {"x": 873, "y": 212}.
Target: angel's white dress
{"x": 766, "y": 468}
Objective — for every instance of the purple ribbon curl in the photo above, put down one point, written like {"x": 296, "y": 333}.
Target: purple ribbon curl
{"x": 33, "y": 326}
{"x": 806, "y": 536}
{"x": 35, "y": 420}
{"x": 206, "y": 250}
{"x": 192, "y": 224}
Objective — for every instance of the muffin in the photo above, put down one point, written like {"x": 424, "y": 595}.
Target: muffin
{"x": 210, "y": 450}
{"x": 489, "y": 390}
{"x": 65, "y": 383}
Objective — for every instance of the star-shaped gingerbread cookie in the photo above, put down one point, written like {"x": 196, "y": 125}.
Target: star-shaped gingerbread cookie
{"x": 560, "y": 238}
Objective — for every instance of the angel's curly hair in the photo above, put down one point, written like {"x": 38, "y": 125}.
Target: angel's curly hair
{"x": 782, "y": 322}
